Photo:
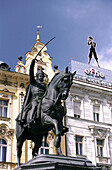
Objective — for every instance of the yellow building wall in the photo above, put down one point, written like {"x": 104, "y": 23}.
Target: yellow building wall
{"x": 12, "y": 94}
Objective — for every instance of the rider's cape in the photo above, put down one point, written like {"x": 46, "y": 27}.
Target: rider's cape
{"x": 26, "y": 104}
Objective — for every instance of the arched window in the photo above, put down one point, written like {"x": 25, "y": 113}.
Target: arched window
{"x": 44, "y": 148}
{"x": 3, "y": 150}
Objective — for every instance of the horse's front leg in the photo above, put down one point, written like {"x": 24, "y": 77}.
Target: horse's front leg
{"x": 47, "y": 120}
{"x": 60, "y": 126}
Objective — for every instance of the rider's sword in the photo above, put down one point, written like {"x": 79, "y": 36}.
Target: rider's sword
{"x": 44, "y": 46}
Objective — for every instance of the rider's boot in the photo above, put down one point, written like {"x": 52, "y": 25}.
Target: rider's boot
{"x": 59, "y": 151}
{"x": 57, "y": 141}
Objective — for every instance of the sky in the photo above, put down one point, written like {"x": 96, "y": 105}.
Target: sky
{"x": 70, "y": 21}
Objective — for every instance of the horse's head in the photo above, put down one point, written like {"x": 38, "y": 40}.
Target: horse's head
{"x": 64, "y": 83}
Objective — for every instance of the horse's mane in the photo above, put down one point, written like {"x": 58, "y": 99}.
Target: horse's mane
{"x": 53, "y": 78}
{"x": 57, "y": 77}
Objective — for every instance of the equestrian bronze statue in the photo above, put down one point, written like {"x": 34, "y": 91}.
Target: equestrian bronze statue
{"x": 42, "y": 109}
{"x": 47, "y": 116}
{"x": 92, "y": 50}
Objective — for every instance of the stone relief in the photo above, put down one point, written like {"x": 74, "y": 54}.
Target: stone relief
{"x": 99, "y": 132}
{"x": 6, "y": 132}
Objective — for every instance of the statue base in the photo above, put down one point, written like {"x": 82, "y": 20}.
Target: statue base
{"x": 54, "y": 162}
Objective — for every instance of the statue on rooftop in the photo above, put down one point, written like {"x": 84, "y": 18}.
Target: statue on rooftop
{"x": 92, "y": 50}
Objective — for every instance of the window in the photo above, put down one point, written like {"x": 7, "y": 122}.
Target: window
{"x": 44, "y": 148}
{"x": 100, "y": 147}
{"x": 3, "y": 108}
{"x": 96, "y": 117}
{"x": 79, "y": 145}
{"x": 3, "y": 150}
{"x": 96, "y": 111}
{"x": 21, "y": 100}
{"x": 77, "y": 110}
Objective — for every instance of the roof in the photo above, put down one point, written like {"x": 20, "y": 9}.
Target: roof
{"x": 92, "y": 73}
{"x": 4, "y": 66}
{"x": 1, "y": 62}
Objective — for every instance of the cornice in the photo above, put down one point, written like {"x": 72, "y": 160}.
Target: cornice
{"x": 96, "y": 83}
{"x": 87, "y": 87}
{"x": 101, "y": 124}
{"x": 8, "y": 77}
{"x": 12, "y": 75}
{"x": 4, "y": 165}
{"x": 6, "y": 91}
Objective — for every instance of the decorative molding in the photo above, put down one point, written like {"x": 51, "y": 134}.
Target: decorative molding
{"x": 86, "y": 98}
{"x": 3, "y": 166}
{"x": 95, "y": 102}
{"x": 5, "y": 131}
{"x": 6, "y": 165}
{"x": 6, "y": 91}
{"x": 5, "y": 118}
{"x": 99, "y": 131}
{"x": 6, "y": 82}
{"x": 4, "y": 95}
{"x": 84, "y": 86}
{"x": 31, "y": 144}
{"x": 50, "y": 135}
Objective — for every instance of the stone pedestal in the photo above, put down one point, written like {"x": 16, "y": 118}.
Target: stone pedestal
{"x": 54, "y": 162}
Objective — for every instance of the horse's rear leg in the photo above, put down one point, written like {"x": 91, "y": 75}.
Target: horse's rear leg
{"x": 19, "y": 149}
{"x": 38, "y": 142}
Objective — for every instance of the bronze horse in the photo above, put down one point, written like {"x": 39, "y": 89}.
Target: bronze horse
{"x": 51, "y": 115}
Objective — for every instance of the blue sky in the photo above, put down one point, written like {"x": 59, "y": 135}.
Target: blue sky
{"x": 71, "y": 21}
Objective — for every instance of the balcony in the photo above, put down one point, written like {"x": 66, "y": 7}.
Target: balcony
{"x": 103, "y": 160}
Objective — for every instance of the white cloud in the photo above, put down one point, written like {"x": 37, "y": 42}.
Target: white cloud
{"x": 106, "y": 64}
{"x": 75, "y": 14}
{"x": 105, "y": 58}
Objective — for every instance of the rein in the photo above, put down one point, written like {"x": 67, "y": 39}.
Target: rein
{"x": 53, "y": 101}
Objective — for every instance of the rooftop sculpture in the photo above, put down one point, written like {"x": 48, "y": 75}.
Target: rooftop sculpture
{"x": 92, "y": 50}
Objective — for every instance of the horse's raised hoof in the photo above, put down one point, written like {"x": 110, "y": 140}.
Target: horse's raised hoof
{"x": 57, "y": 141}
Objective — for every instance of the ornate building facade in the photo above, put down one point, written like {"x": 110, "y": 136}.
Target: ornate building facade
{"x": 89, "y": 111}
{"x": 12, "y": 91}
{"x": 89, "y": 115}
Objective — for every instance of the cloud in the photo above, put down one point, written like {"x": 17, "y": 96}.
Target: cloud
{"x": 105, "y": 58}
{"x": 75, "y": 14}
